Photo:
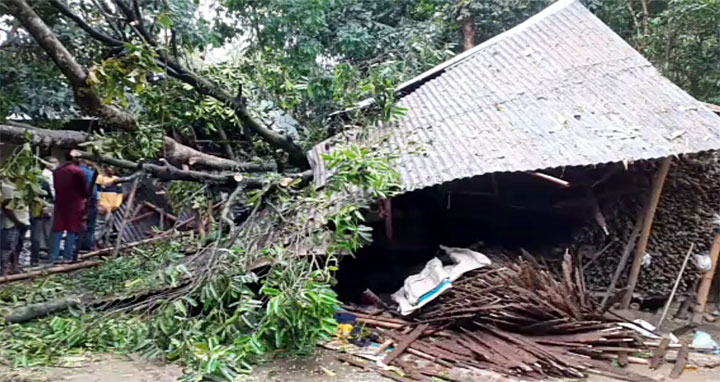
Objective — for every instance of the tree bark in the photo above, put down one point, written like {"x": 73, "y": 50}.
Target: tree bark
{"x": 42, "y": 309}
{"x": 469, "y": 31}
{"x": 85, "y": 97}
{"x": 178, "y": 154}
{"x": 17, "y": 133}
{"x": 169, "y": 172}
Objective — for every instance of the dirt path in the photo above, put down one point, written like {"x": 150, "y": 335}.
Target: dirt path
{"x": 324, "y": 367}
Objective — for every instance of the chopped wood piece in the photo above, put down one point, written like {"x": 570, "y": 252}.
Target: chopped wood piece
{"x": 623, "y": 359}
{"x": 680, "y": 362}
{"x": 659, "y": 355}
{"x": 405, "y": 343}
{"x": 354, "y": 361}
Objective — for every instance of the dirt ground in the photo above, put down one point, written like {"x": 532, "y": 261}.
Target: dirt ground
{"x": 324, "y": 367}
{"x": 321, "y": 368}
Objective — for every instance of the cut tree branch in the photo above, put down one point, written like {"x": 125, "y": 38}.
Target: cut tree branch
{"x": 207, "y": 88}
{"x": 179, "y": 154}
{"x": 17, "y": 133}
{"x": 176, "y": 152}
{"x": 85, "y": 97}
{"x": 168, "y": 172}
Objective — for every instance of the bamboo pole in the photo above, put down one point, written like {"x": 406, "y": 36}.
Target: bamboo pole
{"x": 706, "y": 283}
{"x": 657, "y": 187}
{"x": 674, "y": 289}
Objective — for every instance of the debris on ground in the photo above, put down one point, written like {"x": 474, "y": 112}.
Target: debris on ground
{"x": 514, "y": 319}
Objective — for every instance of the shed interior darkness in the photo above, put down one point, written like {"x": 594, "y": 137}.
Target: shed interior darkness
{"x": 489, "y": 213}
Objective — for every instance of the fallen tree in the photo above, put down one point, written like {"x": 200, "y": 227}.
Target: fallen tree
{"x": 167, "y": 172}
{"x": 18, "y": 133}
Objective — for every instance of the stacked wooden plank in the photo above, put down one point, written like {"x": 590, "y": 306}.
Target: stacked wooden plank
{"x": 515, "y": 318}
{"x": 512, "y": 319}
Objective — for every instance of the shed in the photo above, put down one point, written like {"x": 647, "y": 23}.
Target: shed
{"x": 561, "y": 89}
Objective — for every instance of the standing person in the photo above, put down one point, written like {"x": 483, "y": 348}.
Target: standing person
{"x": 71, "y": 191}
{"x": 41, "y": 221}
{"x": 110, "y": 198}
{"x": 87, "y": 236}
{"x": 15, "y": 222}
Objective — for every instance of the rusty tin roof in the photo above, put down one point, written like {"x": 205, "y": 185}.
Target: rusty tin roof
{"x": 560, "y": 89}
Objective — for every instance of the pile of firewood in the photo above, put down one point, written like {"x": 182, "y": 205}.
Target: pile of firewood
{"x": 514, "y": 319}
{"x": 685, "y": 215}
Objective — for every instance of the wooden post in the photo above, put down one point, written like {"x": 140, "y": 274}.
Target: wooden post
{"x": 704, "y": 289}
{"x": 657, "y": 187}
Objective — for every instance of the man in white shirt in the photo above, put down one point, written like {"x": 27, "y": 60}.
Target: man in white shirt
{"x": 15, "y": 222}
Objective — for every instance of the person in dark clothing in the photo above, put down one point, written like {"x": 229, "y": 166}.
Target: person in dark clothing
{"x": 71, "y": 192}
{"x": 87, "y": 236}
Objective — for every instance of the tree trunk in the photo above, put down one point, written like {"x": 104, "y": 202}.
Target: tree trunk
{"x": 179, "y": 154}
{"x": 469, "y": 31}
{"x": 85, "y": 97}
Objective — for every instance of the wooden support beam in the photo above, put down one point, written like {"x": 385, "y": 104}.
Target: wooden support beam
{"x": 706, "y": 283}
{"x": 680, "y": 362}
{"x": 652, "y": 204}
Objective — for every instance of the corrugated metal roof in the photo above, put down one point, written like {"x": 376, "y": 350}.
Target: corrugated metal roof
{"x": 561, "y": 89}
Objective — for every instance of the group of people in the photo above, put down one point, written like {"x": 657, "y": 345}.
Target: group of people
{"x": 78, "y": 202}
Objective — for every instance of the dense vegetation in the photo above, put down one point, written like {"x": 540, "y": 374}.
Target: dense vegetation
{"x": 253, "y": 81}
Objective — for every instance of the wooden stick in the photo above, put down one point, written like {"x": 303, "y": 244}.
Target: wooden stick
{"x": 49, "y": 271}
{"x": 551, "y": 178}
{"x": 706, "y": 283}
{"x": 680, "y": 362}
{"x": 142, "y": 217}
{"x": 404, "y": 343}
{"x": 659, "y": 354}
{"x": 674, "y": 289}
{"x": 130, "y": 201}
{"x": 160, "y": 211}
{"x": 623, "y": 259}
{"x": 657, "y": 187}
{"x": 85, "y": 264}
{"x": 379, "y": 324}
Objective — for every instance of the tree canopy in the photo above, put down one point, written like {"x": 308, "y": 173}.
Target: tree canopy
{"x": 246, "y": 79}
